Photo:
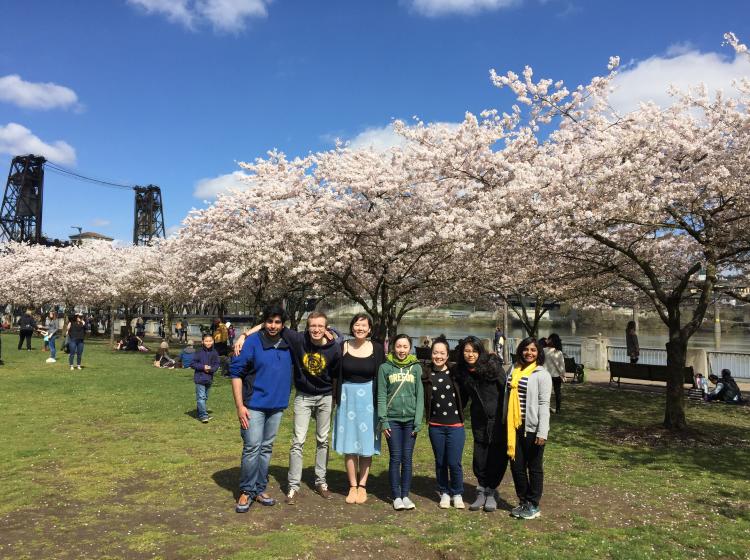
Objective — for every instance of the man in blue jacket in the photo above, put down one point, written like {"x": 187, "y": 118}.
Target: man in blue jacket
{"x": 315, "y": 357}
{"x": 261, "y": 384}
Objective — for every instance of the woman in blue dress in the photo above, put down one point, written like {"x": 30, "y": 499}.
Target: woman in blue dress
{"x": 354, "y": 432}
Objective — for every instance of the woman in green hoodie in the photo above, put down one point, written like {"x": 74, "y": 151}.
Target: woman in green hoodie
{"x": 400, "y": 406}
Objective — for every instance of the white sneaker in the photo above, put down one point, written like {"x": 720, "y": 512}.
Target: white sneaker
{"x": 50, "y": 360}
{"x": 72, "y": 368}
{"x": 408, "y": 504}
{"x": 398, "y": 504}
{"x": 445, "y": 501}
{"x": 458, "y": 502}
{"x": 79, "y": 367}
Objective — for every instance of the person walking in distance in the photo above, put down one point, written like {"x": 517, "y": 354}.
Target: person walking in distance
{"x": 26, "y": 328}
{"x": 554, "y": 361}
{"x": 76, "y": 333}
{"x": 51, "y": 330}
{"x": 631, "y": 342}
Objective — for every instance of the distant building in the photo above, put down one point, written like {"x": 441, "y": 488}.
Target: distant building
{"x": 87, "y": 237}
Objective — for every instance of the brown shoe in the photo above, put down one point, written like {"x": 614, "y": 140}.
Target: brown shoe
{"x": 322, "y": 489}
{"x": 291, "y": 498}
{"x": 351, "y": 498}
{"x": 361, "y": 495}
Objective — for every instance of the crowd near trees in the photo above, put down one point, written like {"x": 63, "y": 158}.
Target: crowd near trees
{"x": 560, "y": 198}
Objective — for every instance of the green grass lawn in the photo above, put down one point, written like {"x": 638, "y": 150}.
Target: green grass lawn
{"x": 110, "y": 462}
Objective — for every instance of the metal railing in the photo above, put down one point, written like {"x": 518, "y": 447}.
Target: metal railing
{"x": 736, "y": 362}
{"x": 651, "y": 356}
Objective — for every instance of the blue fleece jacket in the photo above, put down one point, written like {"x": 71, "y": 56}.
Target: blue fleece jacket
{"x": 265, "y": 367}
{"x": 205, "y": 357}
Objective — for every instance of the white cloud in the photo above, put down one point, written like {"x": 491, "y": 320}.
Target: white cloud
{"x": 433, "y": 8}
{"x": 18, "y": 140}
{"x": 176, "y": 11}
{"x": 383, "y": 138}
{"x": 682, "y": 67}
{"x": 172, "y": 230}
{"x": 379, "y": 139}
{"x": 230, "y": 15}
{"x": 223, "y": 15}
{"x": 209, "y": 188}
{"x": 100, "y": 222}
{"x": 31, "y": 95}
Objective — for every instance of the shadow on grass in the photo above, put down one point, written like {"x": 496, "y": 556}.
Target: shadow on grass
{"x": 378, "y": 485}
{"x": 622, "y": 431}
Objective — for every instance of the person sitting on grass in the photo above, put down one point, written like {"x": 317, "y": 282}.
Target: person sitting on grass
{"x": 187, "y": 355}
{"x": 726, "y": 389}
{"x": 162, "y": 358}
{"x": 205, "y": 362}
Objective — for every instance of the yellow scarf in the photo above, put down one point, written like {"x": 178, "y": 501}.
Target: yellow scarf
{"x": 514, "y": 405}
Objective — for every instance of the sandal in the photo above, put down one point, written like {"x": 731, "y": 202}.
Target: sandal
{"x": 361, "y": 495}
{"x": 351, "y": 498}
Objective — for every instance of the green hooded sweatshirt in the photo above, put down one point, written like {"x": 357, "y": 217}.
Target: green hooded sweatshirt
{"x": 408, "y": 402}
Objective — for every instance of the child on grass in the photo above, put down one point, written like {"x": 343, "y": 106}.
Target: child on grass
{"x": 205, "y": 363}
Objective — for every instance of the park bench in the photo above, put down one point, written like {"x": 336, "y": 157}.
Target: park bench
{"x": 645, "y": 372}
{"x": 576, "y": 369}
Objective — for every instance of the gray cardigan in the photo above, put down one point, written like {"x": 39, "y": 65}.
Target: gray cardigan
{"x": 538, "y": 392}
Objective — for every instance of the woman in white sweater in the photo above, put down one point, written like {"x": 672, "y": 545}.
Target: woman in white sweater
{"x": 554, "y": 361}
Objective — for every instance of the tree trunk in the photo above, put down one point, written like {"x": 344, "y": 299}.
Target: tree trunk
{"x": 167, "y": 316}
{"x": 674, "y": 413}
{"x": 112, "y": 316}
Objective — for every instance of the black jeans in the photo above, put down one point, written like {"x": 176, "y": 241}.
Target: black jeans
{"x": 527, "y": 468}
{"x": 491, "y": 457}
{"x": 25, "y": 335}
{"x": 557, "y": 386}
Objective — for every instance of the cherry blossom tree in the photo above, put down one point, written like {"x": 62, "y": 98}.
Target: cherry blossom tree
{"x": 654, "y": 197}
{"x": 370, "y": 225}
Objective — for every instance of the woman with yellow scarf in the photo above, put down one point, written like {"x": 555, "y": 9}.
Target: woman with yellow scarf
{"x": 526, "y": 410}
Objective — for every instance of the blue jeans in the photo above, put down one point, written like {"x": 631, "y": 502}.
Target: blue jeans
{"x": 201, "y": 396}
{"x": 448, "y": 447}
{"x": 52, "y": 349}
{"x": 401, "y": 448}
{"x": 257, "y": 444}
{"x": 76, "y": 349}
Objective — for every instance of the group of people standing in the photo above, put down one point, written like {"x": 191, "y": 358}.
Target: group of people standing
{"x": 369, "y": 396}
{"x": 75, "y": 333}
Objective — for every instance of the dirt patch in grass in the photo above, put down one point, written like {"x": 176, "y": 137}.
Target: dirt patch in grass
{"x": 657, "y": 437}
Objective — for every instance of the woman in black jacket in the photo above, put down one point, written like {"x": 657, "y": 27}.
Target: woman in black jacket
{"x": 482, "y": 382}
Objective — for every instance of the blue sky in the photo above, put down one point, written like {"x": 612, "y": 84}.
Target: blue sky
{"x": 172, "y": 92}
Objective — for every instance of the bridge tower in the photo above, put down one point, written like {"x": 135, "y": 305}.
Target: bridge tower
{"x": 149, "y": 215}
{"x": 21, "y": 211}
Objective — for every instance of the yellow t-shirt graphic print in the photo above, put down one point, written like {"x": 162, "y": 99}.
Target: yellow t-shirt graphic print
{"x": 314, "y": 363}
